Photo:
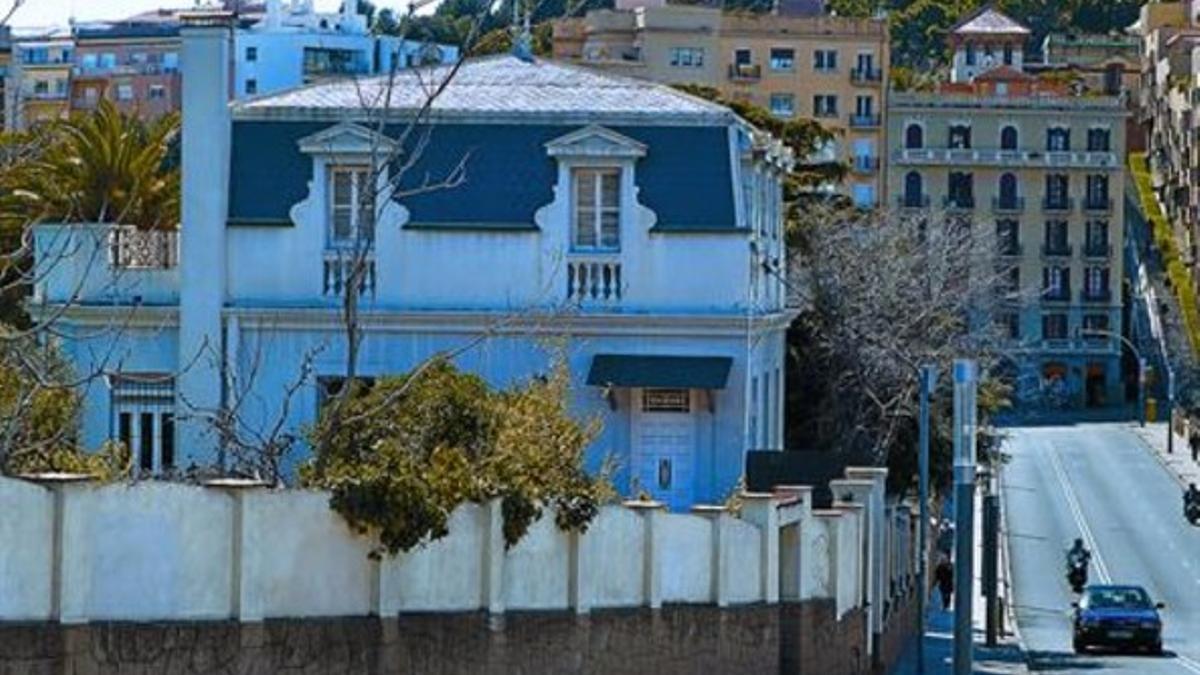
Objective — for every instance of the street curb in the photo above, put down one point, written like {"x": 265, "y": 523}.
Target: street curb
{"x": 1010, "y": 607}
{"x": 1158, "y": 457}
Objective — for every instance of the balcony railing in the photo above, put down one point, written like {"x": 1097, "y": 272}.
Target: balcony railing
{"x": 1006, "y": 158}
{"x": 1061, "y": 294}
{"x": 1011, "y": 249}
{"x": 745, "y": 72}
{"x": 865, "y": 164}
{"x": 959, "y": 203}
{"x": 864, "y": 121}
{"x": 1008, "y": 205}
{"x": 1058, "y": 205}
{"x": 866, "y": 76}
{"x": 1097, "y": 250}
{"x": 594, "y": 280}
{"x": 913, "y": 201}
{"x": 1095, "y": 295}
{"x": 1098, "y": 205}
{"x": 1057, "y": 250}
{"x": 339, "y": 271}
{"x": 132, "y": 249}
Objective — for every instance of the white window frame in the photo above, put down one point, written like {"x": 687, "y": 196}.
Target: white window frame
{"x": 791, "y": 105}
{"x": 359, "y": 174}
{"x": 599, "y": 208}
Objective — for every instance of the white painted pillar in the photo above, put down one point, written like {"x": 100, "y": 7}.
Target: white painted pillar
{"x": 721, "y": 550}
{"x": 493, "y": 558}
{"x": 851, "y": 492}
{"x": 763, "y": 511}
{"x": 204, "y": 61}
{"x": 878, "y": 530}
{"x": 796, "y": 537}
{"x": 651, "y": 513}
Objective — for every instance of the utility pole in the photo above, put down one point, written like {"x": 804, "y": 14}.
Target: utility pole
{"x": 929, "y": 376}
{"x": 1142, "y": 391}
{"x": 1170, "y": 409}
{"x": 966, "y": 381}
{"x": 991, "y": 555}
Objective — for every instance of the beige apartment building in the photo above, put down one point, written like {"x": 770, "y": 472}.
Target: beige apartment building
{"x": 1040, "y": 171}
{"x": 829, "y": 68}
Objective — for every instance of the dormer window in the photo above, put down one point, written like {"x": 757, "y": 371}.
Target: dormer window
{"x": 351, "y": 206}
{"x": 596, "y": 209}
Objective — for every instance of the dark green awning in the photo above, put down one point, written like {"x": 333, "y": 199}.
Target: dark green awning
{"x": 682, "y": 372}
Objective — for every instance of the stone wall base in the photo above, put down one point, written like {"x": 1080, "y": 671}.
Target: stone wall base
{"x": 788, "y": 638}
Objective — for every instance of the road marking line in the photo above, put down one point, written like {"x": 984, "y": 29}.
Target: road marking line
{"x": 1077, "y": 514}
{"x": 1188, "y": 663}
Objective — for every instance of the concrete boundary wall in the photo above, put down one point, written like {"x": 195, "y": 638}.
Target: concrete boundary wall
{"x": 152, "y": 552}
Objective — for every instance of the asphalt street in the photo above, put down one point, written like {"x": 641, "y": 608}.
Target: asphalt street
{"x": 1098, "y": 482}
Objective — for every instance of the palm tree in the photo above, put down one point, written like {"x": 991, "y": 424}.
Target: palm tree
{"x": 99, "y": 167}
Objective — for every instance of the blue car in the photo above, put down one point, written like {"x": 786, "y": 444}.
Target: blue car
{"x": 1117, "y": 616}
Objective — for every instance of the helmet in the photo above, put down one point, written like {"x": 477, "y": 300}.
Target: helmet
{"x": 1078, "y": 542}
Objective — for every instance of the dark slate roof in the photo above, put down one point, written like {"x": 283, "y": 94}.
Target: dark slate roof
{"x": 509, "y": 176}
{"x": 989, "y": 21}
{"x": 495, "y": 86}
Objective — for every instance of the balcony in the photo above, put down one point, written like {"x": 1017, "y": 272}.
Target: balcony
{"x": 865, "y": 164}
{"x": 958, "y": 203}
{"x": 745, "y": 72}
{"x": 866, "y": 76}
{"x": 1008, "y": 205}
{"x": 132, "y": 249}
{"x": 1097, "y": 250}
{"x": 864, "y": 121}
{"x": 594, "y": 280}
{"x": 1060, "y": 294}
{"x": 913, "y": 201}
{"x": 1010, "y": 249}
{"x": 1059, "y": 206}
{"x": 338, "y": 270}
{"x": 1098, "y": 206}
{"x": 1057, "y": 250}
{"x": 1095, "y": 295}
{"x": 1005, "y": 158}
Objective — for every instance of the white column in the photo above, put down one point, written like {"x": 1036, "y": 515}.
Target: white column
{"x": 205, "y": 62}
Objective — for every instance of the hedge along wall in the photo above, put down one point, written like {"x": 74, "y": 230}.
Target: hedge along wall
{"x": 1164, "y": 240}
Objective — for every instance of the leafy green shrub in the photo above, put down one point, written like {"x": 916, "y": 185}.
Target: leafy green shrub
{"x": 400, "y": 457}
{"x": 1164, "y": 240}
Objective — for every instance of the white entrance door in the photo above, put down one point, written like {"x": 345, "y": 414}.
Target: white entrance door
{"x": 664, "y": 449}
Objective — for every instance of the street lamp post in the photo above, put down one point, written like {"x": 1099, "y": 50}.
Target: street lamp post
{"x": 1141, "y": 367}
{"x": 928, "y": 376}
{"x": 966, "y": 380}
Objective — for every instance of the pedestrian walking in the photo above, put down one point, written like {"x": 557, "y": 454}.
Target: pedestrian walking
{"x": 1194, "y": 442}
{"x": 943, "y": 574}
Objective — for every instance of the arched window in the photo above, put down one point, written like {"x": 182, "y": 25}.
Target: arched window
{"x": 914, "y": 190}
{"x": 1008, "y": 138}
{"x": 1008, "y": 190}
{"x": 914, "y": 137}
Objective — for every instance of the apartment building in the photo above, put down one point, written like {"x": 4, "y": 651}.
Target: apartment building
{"x": 37, "y": 84}
{"x": 133, "y": 64}
{"x": 825, "y": 67}
{"x": 1039, "y": 170}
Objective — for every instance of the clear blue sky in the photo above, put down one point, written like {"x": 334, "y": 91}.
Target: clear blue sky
{"x": 56, "y": 12}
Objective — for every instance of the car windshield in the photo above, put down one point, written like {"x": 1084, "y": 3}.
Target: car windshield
{"x": 1117, "y": 598}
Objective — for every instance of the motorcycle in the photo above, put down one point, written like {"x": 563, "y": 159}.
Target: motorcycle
{"x": 1077, "y": 576}
{"x": 1191, "y": 511}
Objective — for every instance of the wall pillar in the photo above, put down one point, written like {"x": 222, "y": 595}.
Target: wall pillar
{"x": 651, "y": 513}
{"x": 860, "y": 493}
{"x": 721, "y": 549}
{"x": 797, "y": 531}
{"x": 763, "y": 511}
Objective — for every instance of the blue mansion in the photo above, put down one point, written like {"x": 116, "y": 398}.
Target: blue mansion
{"x": 636, "y": 226}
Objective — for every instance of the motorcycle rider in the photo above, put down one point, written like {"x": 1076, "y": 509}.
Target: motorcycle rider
{"x": 1191, "y": 499}
{"x": 1078, "y": 556}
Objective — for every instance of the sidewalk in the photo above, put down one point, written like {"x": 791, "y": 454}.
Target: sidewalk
{"x": 1007, "y": 658}
{"x": 1179, "y": 463}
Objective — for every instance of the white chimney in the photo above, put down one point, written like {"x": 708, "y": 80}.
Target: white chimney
{"x": 206, "y": 38}
{"x": 274, "y": 18}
